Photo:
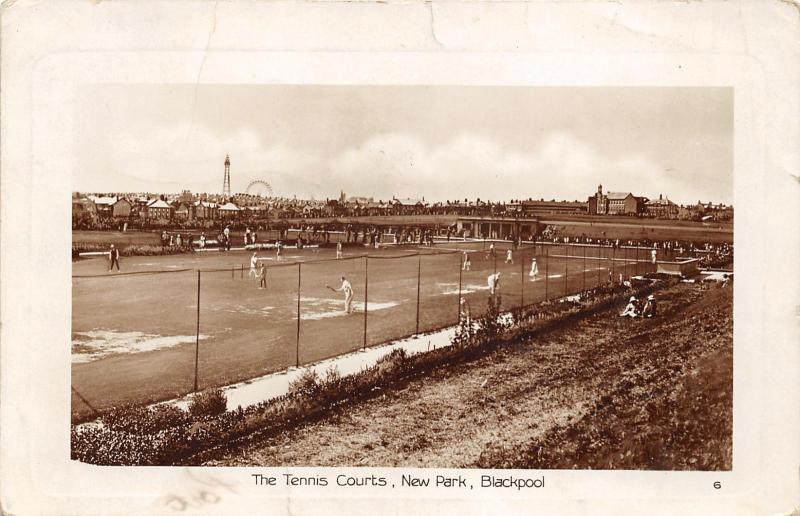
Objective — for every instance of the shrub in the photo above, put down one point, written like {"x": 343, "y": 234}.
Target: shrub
{"x": 143, "y": 420}
{"x": 208, "y": 403}
{"x": 307, "y": 384}
{"x": 490, "y": 326}
{"x": 465, "y": 333}
{"x": 396, "y": 363}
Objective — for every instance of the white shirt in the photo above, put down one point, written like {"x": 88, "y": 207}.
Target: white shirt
{"x": 346, "y": 288}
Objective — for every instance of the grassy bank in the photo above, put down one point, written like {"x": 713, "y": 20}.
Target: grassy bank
{"x": 162, "y": 436}
{"x": 601, "y": 392}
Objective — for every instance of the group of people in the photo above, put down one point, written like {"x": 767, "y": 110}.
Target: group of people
{"x": 466, "y": 262}
{"x": 175, "y": 241}
{"x": 640, "y": 308}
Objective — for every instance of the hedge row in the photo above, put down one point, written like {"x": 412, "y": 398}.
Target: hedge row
{"x": 165, "y": 435}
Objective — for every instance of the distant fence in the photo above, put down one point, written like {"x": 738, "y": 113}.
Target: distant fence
{"x": 232, "y": 327}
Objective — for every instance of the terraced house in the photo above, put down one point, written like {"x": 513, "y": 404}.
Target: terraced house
{"x": 158, "y": 209}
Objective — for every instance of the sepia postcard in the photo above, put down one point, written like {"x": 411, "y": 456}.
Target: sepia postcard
{"x": 400, "y": 257}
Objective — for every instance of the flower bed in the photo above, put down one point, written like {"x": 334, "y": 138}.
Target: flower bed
{"x": 129, "y": 250}
{"x": 167, "y": 436}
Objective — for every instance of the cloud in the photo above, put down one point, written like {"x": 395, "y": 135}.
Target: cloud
{"x": 558, "y": 166}
{"x": 164, "y": 157}
{"x": 468, "y": 166}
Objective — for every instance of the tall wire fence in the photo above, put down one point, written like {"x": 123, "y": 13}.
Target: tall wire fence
{"x": 149, "y": 335}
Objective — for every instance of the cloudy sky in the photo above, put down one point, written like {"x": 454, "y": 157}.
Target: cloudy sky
{"x": 440, "y": 142}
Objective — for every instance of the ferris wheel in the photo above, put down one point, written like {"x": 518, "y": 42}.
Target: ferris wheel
{"x": 261, "y": 188}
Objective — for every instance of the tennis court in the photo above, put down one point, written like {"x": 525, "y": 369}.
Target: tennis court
{"x": 138, "y": 336}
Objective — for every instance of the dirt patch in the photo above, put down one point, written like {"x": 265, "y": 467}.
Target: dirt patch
{"x": 604, "y": 392}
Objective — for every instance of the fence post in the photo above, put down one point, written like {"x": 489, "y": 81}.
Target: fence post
{"x": 584, "y": 267}
{"x": 522, "y": 279}
{"x": 419, "y": 275}
{"x": 197, "y": 338}
{"x": 613, "y": 257}
{"x": 637, "y": 258}
{"x": 566, "y": 270}
{"x": 599, "y": 256}
{"x": 241, "y": 271}
{"x": 366, "y": 297}
{"x": 297, "y": 341}
{"x": 460, "y": 276}
{"x": 233, "y": 268}
{"x": 546, "y": 273}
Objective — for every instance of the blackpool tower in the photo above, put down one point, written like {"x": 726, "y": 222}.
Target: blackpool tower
{"x": 226, "y": 185}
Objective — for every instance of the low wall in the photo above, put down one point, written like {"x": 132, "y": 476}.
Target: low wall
{"x": 681, "y": 267}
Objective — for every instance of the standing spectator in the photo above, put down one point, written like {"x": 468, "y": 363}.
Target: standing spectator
{"x": 178, "y": 240}
{"x": 263, "y": 275}
{"x": 114, "y": 256}
{"x": 202, "y": 240}
{"x": 339, "y": 250}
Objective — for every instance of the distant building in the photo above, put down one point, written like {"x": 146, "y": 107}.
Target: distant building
{"x": 622, "y": 203}
{"x": 84, "y": 207}
{"x": 121, "y": 209}
{"x": 205, "y": 210}
{"x": 158, "y": 209}
{"x": 186, "y": 197}
{"x": 229, "y": 211}
{"x": 598, "y": 203}
{"x": 531, "y": 207}
{"x": 407, "y": 206}
{"x": 661, "y": 208}
{"x": 104, "y": 205}
{"x": 183, "y": 211}
{"x": 615, "y": 203}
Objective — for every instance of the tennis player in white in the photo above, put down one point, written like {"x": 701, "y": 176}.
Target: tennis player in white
{"x": 534, "y": 269}
{"x": 348, "y": 295}
{"x": 253, "y": 262}
{"x": 493, "y": 280}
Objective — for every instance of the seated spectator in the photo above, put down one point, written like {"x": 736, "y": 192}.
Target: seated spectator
{"x": 650, "y": 307}
{"x": 630, "y": 309}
